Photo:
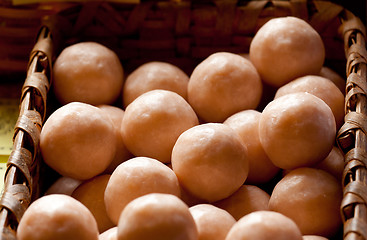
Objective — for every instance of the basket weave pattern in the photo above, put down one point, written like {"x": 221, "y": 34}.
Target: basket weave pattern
{"x": 175, "y": 31}
{"x": 183, "y": 33}
{"x": 22, "y": 176}
{"x": 352, "y": 136}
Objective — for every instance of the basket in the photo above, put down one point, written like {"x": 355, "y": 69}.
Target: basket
{"x": 182, "y": 33}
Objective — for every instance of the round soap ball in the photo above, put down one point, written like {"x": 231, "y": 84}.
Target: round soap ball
{"x": 314, "y": 237}
{"x": 212, "y": 222}
{"x": 312, "y": 198}
{"x": 320, "y": 87}
{"x": 335, "y": 77}
{"x": 210, "y": 161}
{"x": 247, "y": 199}
{"x": 264, "y": 225}
{"x": 333, "y": 163}
{"x": 87, "y": 72}
{"x": 122, "y": 154}
{"x": 58, "y": 217}
{"x": 134, "y": 178}
{"x": 246, "y": 124}
{"x": 297, "y": 130}
{"x": 285, "y": 48}
{"x": 153, "y": 122}
{"x": 91, "y": 194}
{"x": 78, "y": 141}
{"x": 157, "y": 216}
{"x": 154, "y": 75}
{"x": 188, "y": 198}
{"x": 109, "y": 234}
{"x": 223, "y": 84}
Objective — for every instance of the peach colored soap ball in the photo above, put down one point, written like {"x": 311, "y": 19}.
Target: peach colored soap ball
{"x": 153, "y": 122}
{"x": 223, "y": 84}
{"x": 116, "y": 115}
{"x": 246, "y": 124}
{"x": 134, "y": 178}
{"x": 285, "y": 48}
{"x": 57, "y": 217}
{"x": 212, "y": 222}
{"x": 247, "y": 199}
{"x": 312, "y": 198}
{"x": 110, "y": 234}
{"x": 313, "y": 237}
{"x": 264, "y": 225}
{"x": 320, "y": 87}
{"x": 154, "y": 75}
{"x": 210, "y": 161}
{"x": 157, "y": 216}
{"x": 88, "y": 72}
{"x": 333, "y": 163}
{"x": 335, "y": 77}
{"x": 91, "y": 194}
{"x": 78, "y": 141}
{"x": 297, "y": 130}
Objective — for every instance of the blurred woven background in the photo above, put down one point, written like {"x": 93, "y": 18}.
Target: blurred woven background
{"x": 19, "y": 27}
{"x": 358, "y": 7}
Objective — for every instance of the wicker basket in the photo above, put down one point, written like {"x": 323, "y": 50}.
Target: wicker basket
{"x": 180, "y": 32}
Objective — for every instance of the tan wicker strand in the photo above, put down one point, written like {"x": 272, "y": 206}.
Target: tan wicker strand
{"x": 30, "y": 122}
{"x": 16, "y": 199}
{"x": 354, "y": 158}
{"x": 43, "y": 47}
{"x": 356, "y": 227}
{"x": 22, "y": 159}
{"x": 39, "y": 82}
{"x": 12, "y": 203}
{"x": 357, "y": 80}
{"x": 358, "y": 189}
{"x": 360, "y": 51}
{"x": 350, "y": 97}
{"x": 355, "y": 120}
